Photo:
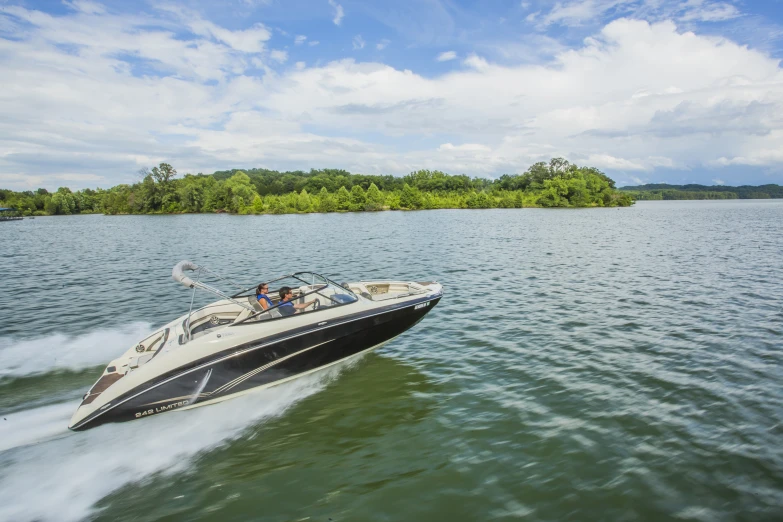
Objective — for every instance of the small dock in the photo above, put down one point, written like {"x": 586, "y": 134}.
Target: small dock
{"x": 9, "y": 214}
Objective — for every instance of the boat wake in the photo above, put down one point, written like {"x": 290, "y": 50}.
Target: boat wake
{"x": 58, "y": 352}
{"x": 48, "y": 473}
{"x": 34, "y": 426}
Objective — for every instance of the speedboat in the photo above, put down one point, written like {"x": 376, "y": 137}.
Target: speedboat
{"x": 235, "y": 345}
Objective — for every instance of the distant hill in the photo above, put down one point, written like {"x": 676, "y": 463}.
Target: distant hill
{"x": 664, "y": 191}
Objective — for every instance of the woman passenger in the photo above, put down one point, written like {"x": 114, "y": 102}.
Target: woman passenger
{"x": 261, "y": 296}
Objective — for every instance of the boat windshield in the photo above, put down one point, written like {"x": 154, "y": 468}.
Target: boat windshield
{"x": 299, "y": 293}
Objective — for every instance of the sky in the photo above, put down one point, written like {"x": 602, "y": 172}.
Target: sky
{"x": 648, "y": 91}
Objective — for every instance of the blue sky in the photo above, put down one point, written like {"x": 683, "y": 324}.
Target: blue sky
{"x": 677, "y": 91}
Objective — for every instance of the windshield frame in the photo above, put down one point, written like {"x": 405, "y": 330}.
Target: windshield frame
{"x": 296, "y": 275}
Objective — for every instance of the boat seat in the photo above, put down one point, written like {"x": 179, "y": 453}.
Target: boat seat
{"x": 245, "y": 313}
{"x": 255, "y": 304}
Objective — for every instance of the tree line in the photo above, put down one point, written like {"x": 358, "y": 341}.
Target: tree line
{"x": 557, "y": 183}
{"x": 663, "y": 191}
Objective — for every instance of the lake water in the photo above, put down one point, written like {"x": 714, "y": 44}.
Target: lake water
{"x": 602, "y": 364}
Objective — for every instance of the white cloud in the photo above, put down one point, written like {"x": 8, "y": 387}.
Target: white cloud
{"x": 300, "y": 39}
{"x": 535, "y": 48}
{"x": 85, "y": 6}
{"x": 249, "y": 40}
{"x": 383, "y": 44}
{"x": 338, "y": 12}
{"x": 79, "y": 177}
{"x": 476, "y": 62}
{"x": 313, "y": 43}
{"x": 465, "y": 147}
{"x": 581, "y": 12}
{"x": 633, "y": 98}
{"x": 702, "y": 11}
{"x": 605, "y": 161}
{"x": 110, "y": 35}
{"x": 763, "y": 154}
{"x": 587, "y": 106}
{"x": 279, "y": 56}
{"x": 446, "y": 56}
{"x": 24, "y": 181}
{"x": 718, "y": 181}
{"x": 358, "y": 42}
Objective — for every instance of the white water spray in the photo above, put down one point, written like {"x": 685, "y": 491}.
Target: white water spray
{"x": 56, "y": 352}
{"x": 62, "y": 475}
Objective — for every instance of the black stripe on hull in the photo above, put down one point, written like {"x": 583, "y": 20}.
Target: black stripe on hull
{"x": 262, "y": 366}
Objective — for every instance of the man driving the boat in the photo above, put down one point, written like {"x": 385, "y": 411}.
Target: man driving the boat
{"x": 262, "y": 297}
{"x": 287, "y": 307}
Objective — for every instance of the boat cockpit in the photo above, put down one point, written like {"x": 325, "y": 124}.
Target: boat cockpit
{"x": 309, "y": 292}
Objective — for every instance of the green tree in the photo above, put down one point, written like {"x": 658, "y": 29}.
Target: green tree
{"x": 163, "y": 174}
{"x": 275, "y": 204}
{"x": 374, "y": 200}
{"x": 240, "y": 191}
{"x": 326, "y": 201}
{"x": 410, "y": 197}
{"x": 192, "y": 192}
{"x": 479, "y": 200}
{"x": 358, "y": 198}
{"x": 217, "y": 198}
{"x": 343, "y": 199}
{"x": 148, "y": 196}
{"x": 303, "y": 203}
{"x": 62, "y": 202}
{"x": 156, "y": 192}
{"x": 554, "y": 193}
{"x": 393, "y": 201}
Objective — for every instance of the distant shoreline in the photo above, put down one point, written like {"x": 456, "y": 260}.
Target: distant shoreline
{"x": 340, "y": 212}
{"x": 666, "y": 192}
{"x": 336, "y": 212}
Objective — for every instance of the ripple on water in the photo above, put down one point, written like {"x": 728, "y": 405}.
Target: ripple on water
{"x": 602, "y": 364}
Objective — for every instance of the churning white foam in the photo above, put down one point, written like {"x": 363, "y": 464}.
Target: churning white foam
{"x": 62, "y": 478}
{"x": 55, "y": 352}
{"x": 34, "y": 426}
